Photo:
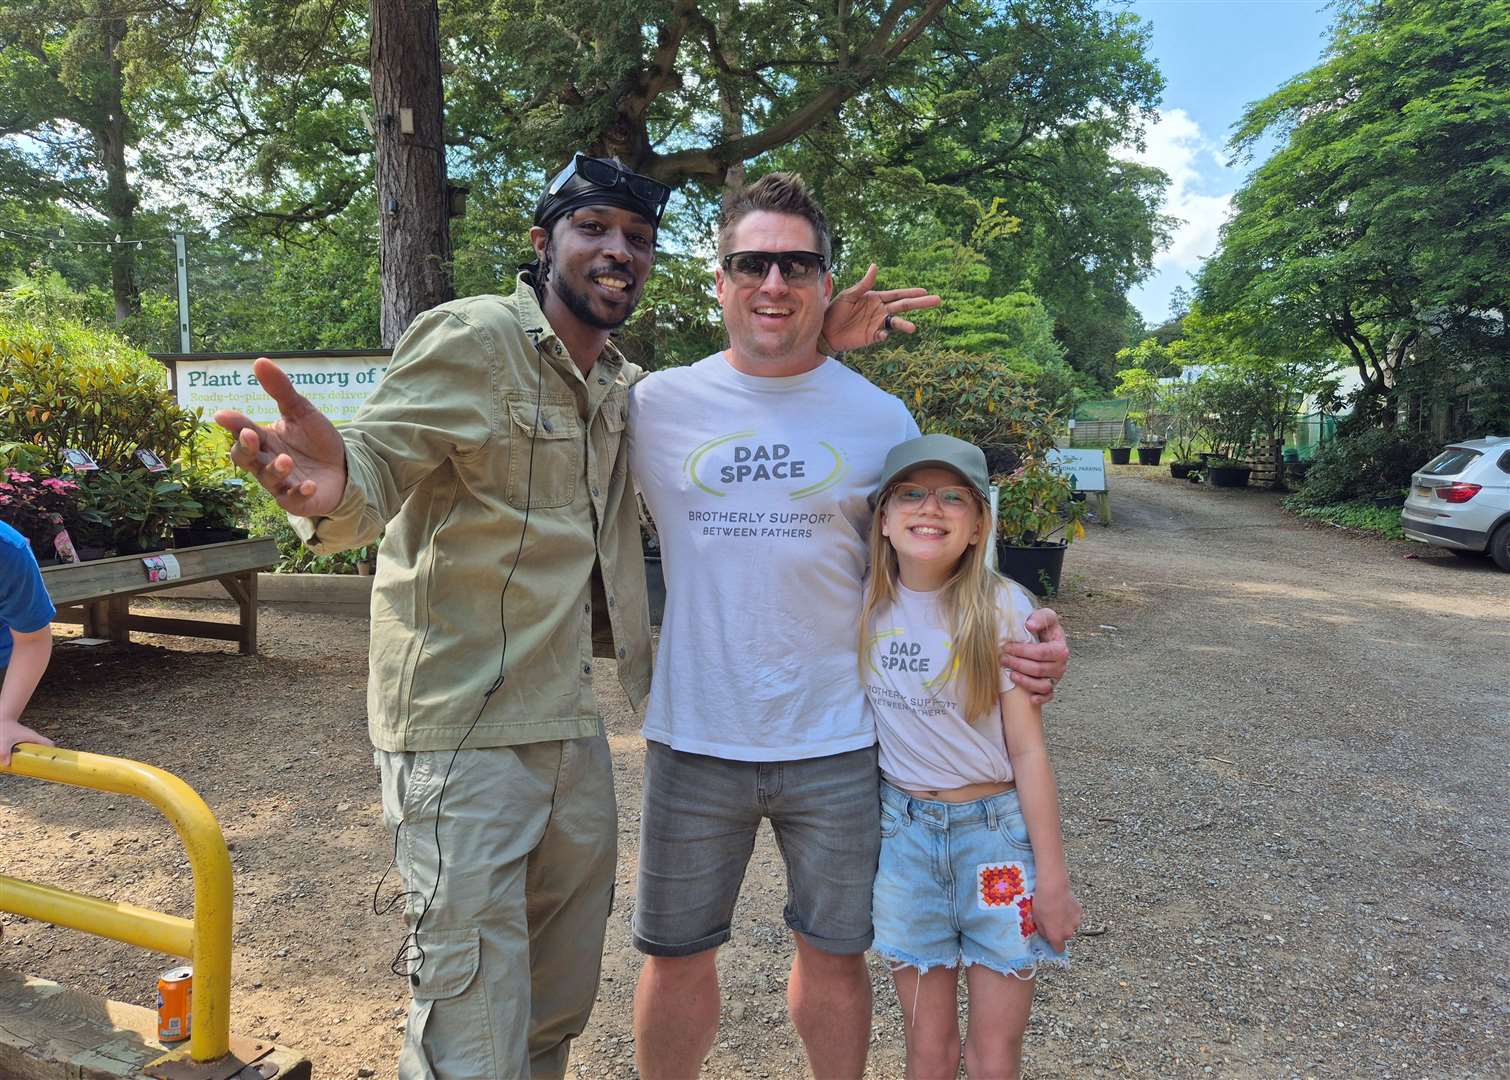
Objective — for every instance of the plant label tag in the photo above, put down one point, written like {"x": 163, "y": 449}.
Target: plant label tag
{"x": 150, "y": 461}
{"x": 63, "y": 544}
{"x": 162, "y": 568}
{"x": 79, "y": 461}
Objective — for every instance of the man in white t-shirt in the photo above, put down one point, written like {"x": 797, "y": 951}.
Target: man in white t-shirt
{"x": 757, "y": 463}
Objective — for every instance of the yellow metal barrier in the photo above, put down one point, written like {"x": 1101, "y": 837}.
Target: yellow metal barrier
{"x": 205, "y": 941}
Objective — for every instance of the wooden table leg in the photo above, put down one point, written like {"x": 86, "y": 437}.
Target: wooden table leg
{"x": 96, "y": 619}
{"x": 243, "y": 589}
{"x": 120, "y": 614}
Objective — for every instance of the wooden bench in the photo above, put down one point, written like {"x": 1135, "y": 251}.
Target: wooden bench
{"x": 97, "y": 595}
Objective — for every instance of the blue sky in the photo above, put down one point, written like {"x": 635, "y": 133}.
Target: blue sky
{"x": 1217, "y": 56}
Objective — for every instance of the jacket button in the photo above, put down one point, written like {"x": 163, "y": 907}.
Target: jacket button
{"x": 623, "y": 653}
{"x": 594, "y": 493}
{"x": 610, "y": 601}
{"x": 586, "y": 669}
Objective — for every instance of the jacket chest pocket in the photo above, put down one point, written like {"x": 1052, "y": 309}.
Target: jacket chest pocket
{"x": 613, "y": 460}
{"x": 545, "y": 454}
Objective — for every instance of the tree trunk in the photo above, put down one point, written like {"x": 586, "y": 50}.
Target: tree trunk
{"x": 120, "y": 201}
{"x": 415, "y": 230}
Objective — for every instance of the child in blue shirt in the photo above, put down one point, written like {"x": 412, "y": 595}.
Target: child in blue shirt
{"x": 26, "y": 615}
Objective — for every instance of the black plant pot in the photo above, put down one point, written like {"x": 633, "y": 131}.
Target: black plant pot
{"x": 1121, "y": 455}
{"x": 1181, "y": 469}
{"x": 1229, "y": 476}
{"x": 1150, "y": 455}
{"x": 655, "y": 588}
{"x": 193, "y": 536}
{"x": 1035, "y": 568}
{"x": 1205, "y": 456}
{"x": 135, "y": 545}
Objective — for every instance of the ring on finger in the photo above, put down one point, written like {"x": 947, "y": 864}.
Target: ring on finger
{"x": 886, "y": 322}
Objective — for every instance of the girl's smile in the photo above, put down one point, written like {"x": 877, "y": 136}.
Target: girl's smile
{"x": 932, "y": 534}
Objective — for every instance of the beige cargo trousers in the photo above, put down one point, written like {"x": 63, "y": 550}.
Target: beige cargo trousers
{"x": 511, "y": 947}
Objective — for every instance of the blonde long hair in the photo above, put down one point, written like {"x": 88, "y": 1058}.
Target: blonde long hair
{"x": 968, "y": 601}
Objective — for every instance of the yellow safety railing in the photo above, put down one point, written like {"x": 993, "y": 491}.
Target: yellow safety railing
{"x": 205, "y": 940}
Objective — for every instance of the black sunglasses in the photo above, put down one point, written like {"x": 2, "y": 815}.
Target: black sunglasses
{"x": 797, "y": 267}
{"x": 609, "y": 174}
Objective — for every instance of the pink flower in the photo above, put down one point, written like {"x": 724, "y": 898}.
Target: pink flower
{"x": 62, "y": 487}
{"x": 7, "y": 487}
{"x": 18, "y": 476}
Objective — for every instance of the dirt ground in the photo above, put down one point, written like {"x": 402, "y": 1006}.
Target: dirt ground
{"x": 1281, "y": 751}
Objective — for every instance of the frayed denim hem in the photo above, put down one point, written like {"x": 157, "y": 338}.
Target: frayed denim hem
{"x": 896, "y": 960}
{"x": 1025, "y": 971}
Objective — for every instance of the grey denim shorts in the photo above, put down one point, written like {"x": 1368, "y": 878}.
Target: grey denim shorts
{"x": 697, "y": 831}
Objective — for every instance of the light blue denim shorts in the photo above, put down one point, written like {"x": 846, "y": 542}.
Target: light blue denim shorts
{"x": 956, "y": 883}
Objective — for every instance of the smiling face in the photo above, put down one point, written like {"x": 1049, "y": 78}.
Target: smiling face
{"x": 773, "y": 327}
{"x": 930, "y": 538}
{"x": 599, "y": 258}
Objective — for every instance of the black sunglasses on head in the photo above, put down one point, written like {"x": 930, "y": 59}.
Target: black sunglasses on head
{"x": 608, "y": 175}
{"x": 797, "y": 267}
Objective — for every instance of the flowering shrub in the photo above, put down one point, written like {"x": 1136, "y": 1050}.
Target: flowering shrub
{"x": 37, "y": 509}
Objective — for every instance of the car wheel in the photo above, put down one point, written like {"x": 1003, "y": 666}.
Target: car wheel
{"x": 1499, "y": 547}
{"x": 1464, "y": 553}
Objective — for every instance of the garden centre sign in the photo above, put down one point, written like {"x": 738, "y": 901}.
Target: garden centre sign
{"x": 335, "y": 382}
{"x": 1088, "y": 467}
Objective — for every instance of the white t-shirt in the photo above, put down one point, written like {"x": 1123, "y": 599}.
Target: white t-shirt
{"x": 927, "y": 743}
{"x": 758, "y": 487}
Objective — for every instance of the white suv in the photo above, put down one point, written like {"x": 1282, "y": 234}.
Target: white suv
{"x": 1460, "y": 500}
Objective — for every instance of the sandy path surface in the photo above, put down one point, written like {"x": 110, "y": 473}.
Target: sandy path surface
{"x": 1281, "y": 750}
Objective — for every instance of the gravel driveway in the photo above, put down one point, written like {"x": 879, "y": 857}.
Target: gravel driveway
{"x": 1281, "y": 756}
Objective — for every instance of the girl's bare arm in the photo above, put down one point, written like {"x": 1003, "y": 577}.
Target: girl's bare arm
{"x": 1055, "y": 909}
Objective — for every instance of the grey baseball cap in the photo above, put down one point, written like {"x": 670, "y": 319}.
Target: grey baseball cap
{"x": 942, "y": 451}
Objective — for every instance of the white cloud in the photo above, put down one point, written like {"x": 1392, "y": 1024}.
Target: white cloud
{"x": 1194, "y": 165}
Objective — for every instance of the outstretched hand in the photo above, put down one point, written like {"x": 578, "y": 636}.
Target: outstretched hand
{"x": 861, "y": 315}
{"x": 299, "y": 457}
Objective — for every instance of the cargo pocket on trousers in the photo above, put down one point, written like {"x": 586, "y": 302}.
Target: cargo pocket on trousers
{"x": 454, "y": 1029}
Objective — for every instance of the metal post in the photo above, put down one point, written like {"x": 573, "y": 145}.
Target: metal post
{"x": 183, "y": 293}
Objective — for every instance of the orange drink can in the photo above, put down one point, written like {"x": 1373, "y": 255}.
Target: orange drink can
{"x": 175, "y": 994}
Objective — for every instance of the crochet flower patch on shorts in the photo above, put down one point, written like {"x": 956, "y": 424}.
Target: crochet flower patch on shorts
{"x": 998, "y": 884}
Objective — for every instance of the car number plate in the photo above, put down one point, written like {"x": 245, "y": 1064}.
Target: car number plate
{"x": 1424, "y": 492}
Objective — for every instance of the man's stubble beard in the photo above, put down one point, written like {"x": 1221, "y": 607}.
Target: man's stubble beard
{"x": 577, "y": 302}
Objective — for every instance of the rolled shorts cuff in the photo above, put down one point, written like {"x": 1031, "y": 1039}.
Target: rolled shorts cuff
{"x": 691, "y": 948}
{"x": 900, "y": 958}
{"x": 835, "y": 946}
{"x": 1028, "y": 969}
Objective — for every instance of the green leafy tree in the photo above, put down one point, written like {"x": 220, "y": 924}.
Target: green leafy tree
{"x": 1383, "y": 217}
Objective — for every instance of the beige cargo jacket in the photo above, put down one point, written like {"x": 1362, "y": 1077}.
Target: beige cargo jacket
{"x": 486, "y": 451}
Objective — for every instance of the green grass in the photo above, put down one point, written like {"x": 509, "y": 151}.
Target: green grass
{"x": 1364, "y": 516}
{"x": 1106, "y": 409}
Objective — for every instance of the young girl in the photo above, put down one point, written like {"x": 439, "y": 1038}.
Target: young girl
{"x": 972, "y": 865}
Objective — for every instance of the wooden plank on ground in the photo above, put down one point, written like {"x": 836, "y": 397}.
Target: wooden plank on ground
{"x": 50, "y": 1033}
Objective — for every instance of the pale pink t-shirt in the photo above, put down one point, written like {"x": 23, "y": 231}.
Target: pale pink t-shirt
{"x": 926, "y": 740}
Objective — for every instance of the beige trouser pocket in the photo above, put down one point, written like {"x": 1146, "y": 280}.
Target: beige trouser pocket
{"x": 451, "y": 1027}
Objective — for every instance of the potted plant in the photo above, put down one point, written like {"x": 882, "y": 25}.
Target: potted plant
{"x": 38, "y": 509}
{"x": 1035, "y": 505}
{"x": 1121, "y": 455}
{"x": 222, "y": 508}
{"x": 139, "y": 508}
{"x": 1227, "y": 472}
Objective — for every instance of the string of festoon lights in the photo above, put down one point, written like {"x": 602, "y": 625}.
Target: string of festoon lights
{"x": 62, "y": 240}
